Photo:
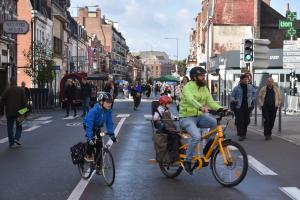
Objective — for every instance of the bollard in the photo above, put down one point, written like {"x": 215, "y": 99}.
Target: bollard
{"x": 279, "y": 119}
{"x": 285, "y": 103}
{"x": 255, "y": 113}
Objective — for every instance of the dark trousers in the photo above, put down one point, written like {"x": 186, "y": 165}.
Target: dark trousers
{"x": 269, "y": 115}
{"x": 72, "y": 104}
{"x": 10, "y": 130}
{"x": 96, "y": 150}
{"x": 136, "y": 100}
{"x": 242, "y": 120}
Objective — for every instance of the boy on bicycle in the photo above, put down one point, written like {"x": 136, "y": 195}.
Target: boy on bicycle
{"x": 95, "y": 119}
{"x": 193, "y": 111}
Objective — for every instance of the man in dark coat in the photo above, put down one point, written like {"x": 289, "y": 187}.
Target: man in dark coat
{"x": 85, "y": 93}
{"x": 70, "y": 97}
{"x": 13, "y": 99}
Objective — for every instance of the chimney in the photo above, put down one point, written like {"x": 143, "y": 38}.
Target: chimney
{"x": 287, "y": 7}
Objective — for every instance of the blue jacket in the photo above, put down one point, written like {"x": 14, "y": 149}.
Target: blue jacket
{"x": 237, "y": 94}
{"x": 138, "y": 88}
{"x": 96, "y": 118}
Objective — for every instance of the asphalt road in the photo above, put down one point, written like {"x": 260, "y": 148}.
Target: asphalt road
{"x": 42, "y": 168}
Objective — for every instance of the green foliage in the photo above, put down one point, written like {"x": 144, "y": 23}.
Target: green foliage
{"x": 181, "y": 66}
{"x": 40, "y": 69}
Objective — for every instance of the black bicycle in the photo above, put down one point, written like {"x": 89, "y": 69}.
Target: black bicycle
{"x": 103, "y": 163}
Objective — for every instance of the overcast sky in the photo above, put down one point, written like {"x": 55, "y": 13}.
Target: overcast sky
{"x": 145, "y": 23}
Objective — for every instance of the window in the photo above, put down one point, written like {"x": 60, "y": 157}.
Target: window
{"x": 57, "y": 45}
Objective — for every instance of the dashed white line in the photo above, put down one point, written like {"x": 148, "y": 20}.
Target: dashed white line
{"x": 123, "y": 115}
{"x": 47, "y": 122}
{"x": 80, "y": 187}
{"x": 3, "y": 140}
{"x": 292, "y": 192}
{"x": 259, "y": 167}
{"x": 32, "y": 128}
{"x": 43, "y": 118}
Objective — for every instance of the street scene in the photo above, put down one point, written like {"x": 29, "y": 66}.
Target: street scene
{"x": 149, "y": 99}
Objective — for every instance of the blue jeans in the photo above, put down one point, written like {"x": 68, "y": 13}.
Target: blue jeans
{"x": 10, "y": 130}
{"x": 191, "y": 124}
{"x": 85, "y": 105}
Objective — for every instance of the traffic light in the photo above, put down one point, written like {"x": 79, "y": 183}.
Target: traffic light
{"x": 248, "y": 50}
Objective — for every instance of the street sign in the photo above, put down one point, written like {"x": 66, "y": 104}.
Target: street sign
{"x": 16, "y": 26}
{"x": 284, "y": 24}
{"x": 56, "y": 67}
{"x": 291, "y": 54}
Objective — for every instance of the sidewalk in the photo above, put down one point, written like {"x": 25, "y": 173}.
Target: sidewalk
{"x": 290, "y": 127}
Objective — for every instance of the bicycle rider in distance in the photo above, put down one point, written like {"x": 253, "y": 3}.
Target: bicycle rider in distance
{"x": 95, "y": 119}
{"x": 193, "y": 112}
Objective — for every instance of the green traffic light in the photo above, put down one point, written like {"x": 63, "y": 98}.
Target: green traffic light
{"x": 248, "y": 57}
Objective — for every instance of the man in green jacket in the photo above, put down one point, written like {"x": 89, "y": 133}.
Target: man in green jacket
{"x": 193, "y": 111}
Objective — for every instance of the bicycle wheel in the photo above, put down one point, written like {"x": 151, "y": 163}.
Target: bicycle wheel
{"x": 232, "y": 174}
{"x": 85, "y": 169}
{"x": 108, "y": 167}
{"x": 170, "y": 170}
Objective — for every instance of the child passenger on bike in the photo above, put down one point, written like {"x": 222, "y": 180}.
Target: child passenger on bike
{"x": 95, "y": 119}
{"x": 163, "y": 118}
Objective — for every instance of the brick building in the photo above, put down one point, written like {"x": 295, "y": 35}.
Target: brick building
{"x": 113, "y": 41}
{"x": 38, "y": 15}
{"x": 8, "y": 47}
{"x": 135, "y": 67}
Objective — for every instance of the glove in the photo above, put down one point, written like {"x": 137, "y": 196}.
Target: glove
{"x": 113, "y": 138}
{"x": 91, "y": 142}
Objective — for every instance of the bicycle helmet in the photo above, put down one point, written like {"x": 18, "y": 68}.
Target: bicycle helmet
{"x": 195, "y": 71}
{"x": 165, "y": 99}
{"x": 105, "y": 96}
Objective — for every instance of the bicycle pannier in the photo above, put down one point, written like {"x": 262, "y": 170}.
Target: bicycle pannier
{"x": 78, "y": 152}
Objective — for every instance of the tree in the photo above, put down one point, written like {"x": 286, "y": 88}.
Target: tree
{"x": 39, "y": 64}
{"x": 181, "y": 64}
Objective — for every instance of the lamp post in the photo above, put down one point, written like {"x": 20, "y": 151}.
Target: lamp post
{"x": 175, "y": 38}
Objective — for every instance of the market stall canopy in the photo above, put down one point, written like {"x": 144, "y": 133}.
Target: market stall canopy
{"x": 168, "y": 78}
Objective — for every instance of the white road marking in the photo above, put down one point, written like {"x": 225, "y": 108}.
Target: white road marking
{"x": 259, "y": 167}
{"x": 74, "y": 124}
{"x": 123, "y": 115}
{"x": 148, "y": 116}
{"x": 47, "y": 122}
{"x": 80, "y": 187}
{"x": 3, "y": 140}
{"x": 32, "y": 128}
{"x": 292, "y": 192}
{"x": 43, "y": 118}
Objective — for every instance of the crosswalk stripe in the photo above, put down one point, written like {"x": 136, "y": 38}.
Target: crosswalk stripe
{"x": 47, "y": 122}
{"x": 292, "y": 192}
{"x": 43, "y": 118}
{"x": 3, "y": 140}
{"x": 32, "y": 128}
{"x": 259, "y": 167}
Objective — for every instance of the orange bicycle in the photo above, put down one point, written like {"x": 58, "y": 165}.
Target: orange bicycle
{"x": 228, "y": 160}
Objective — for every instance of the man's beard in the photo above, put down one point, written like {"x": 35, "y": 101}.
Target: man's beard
{"x": 201, "y": 83}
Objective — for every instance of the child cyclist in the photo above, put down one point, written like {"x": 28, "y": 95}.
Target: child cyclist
{"x": 95, "y": 119}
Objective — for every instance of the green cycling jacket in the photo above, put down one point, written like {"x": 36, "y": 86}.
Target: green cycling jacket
{"x": 194, "y": 98}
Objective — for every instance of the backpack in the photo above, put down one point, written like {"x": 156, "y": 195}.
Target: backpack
{"x": 78, "y": 152}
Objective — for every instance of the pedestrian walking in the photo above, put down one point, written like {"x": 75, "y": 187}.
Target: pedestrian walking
{"x": 136, "y": 93}
{"x": 70, "y": 97}
{"x": 269, "y": 100}
{"x": 148, "y": 90}
{"x": 110, "y": 88}
{"x": 27, "y": 94}
{"x": 86, "y": 96}
{"x": 13, "y": 100}
{"x": 179, "y": 89}
{"x": 242, "y": 98}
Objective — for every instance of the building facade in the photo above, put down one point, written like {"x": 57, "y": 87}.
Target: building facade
{"x": 113, "y": 41}
{"x": 8, "y": 45}
{"x": 38, "y": 15}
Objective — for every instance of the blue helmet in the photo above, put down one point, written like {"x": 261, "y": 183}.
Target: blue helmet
{"x": 105, "y": 97}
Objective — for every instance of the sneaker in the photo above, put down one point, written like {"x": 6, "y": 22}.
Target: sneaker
{"x": 66, "y": 116}
{"x": 18, "y": 142}
{"x": 241, "y": 138}
{"x": 13, "y": 146}
{"x": 88, "y": 158}
{"x": 187, "y": 167}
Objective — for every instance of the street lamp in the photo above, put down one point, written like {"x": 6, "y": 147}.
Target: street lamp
{"x": 175, "y": 38}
